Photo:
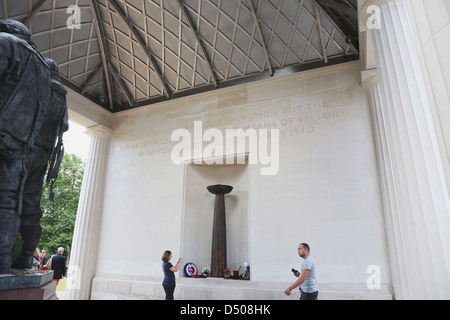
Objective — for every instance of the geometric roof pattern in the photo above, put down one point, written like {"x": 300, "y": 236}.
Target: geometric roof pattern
{"x": 123, "y": 54}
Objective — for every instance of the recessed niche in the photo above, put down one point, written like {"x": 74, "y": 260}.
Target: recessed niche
{"x": 199, "y": 213}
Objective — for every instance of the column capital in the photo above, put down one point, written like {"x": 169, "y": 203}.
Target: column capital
{"x": 369, "y": 78}
{"x": 99, "y": 131}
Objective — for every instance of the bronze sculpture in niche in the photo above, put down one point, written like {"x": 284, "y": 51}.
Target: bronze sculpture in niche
{"x": 219, "y": 241}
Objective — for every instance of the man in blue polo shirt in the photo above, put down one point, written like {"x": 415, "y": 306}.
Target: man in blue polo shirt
{"x": 307, "y": 278}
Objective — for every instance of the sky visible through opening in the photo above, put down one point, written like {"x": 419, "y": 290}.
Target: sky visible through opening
{"x": 76, "y": 141}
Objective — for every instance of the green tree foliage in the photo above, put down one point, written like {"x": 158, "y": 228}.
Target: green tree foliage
{"x": 58, "y": 219}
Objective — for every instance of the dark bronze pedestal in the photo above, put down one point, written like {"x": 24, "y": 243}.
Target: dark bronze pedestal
{"x": 219, "y": 238}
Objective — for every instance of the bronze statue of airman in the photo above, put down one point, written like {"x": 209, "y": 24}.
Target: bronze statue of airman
{"x": 33, "y": 117}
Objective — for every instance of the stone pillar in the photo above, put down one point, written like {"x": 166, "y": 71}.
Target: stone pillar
{"x": 83, "y": 256}
{"x": 417, "y": 208}
{"x": 370, "y": 82}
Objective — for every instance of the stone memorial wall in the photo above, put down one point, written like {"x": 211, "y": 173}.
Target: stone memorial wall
{"x": 325, "y": 190}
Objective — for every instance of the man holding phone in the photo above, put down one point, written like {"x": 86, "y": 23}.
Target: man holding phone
{"x": 307, "y": 278}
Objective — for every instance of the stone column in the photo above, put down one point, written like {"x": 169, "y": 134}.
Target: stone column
{"x": 370, "y": 82}
{"x": 412, "y": 177}
{"x": 83, "y": 256}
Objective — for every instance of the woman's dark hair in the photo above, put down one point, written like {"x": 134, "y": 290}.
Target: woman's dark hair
{"x": 166, "y": 256}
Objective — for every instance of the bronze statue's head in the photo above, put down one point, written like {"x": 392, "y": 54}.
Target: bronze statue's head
{"x": 16, "y": 28}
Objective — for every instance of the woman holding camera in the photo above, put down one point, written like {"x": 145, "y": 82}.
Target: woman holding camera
{"x": 169, "y": 273}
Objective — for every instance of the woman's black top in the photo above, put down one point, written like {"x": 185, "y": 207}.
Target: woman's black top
{"x": 168, "y": 274}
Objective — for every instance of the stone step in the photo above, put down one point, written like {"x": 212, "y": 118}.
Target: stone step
{"x": 220, "y": 289}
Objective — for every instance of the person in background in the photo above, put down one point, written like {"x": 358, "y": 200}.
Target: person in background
{"x": 43, "y": 259}
{"x": 169, "y": 273}
{"x": 307, "y": 277}
{"x": 36, "y": 261}
{"x": 58, "y": 265}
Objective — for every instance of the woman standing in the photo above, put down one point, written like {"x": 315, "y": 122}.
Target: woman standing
{"x": 169, "y": 275}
